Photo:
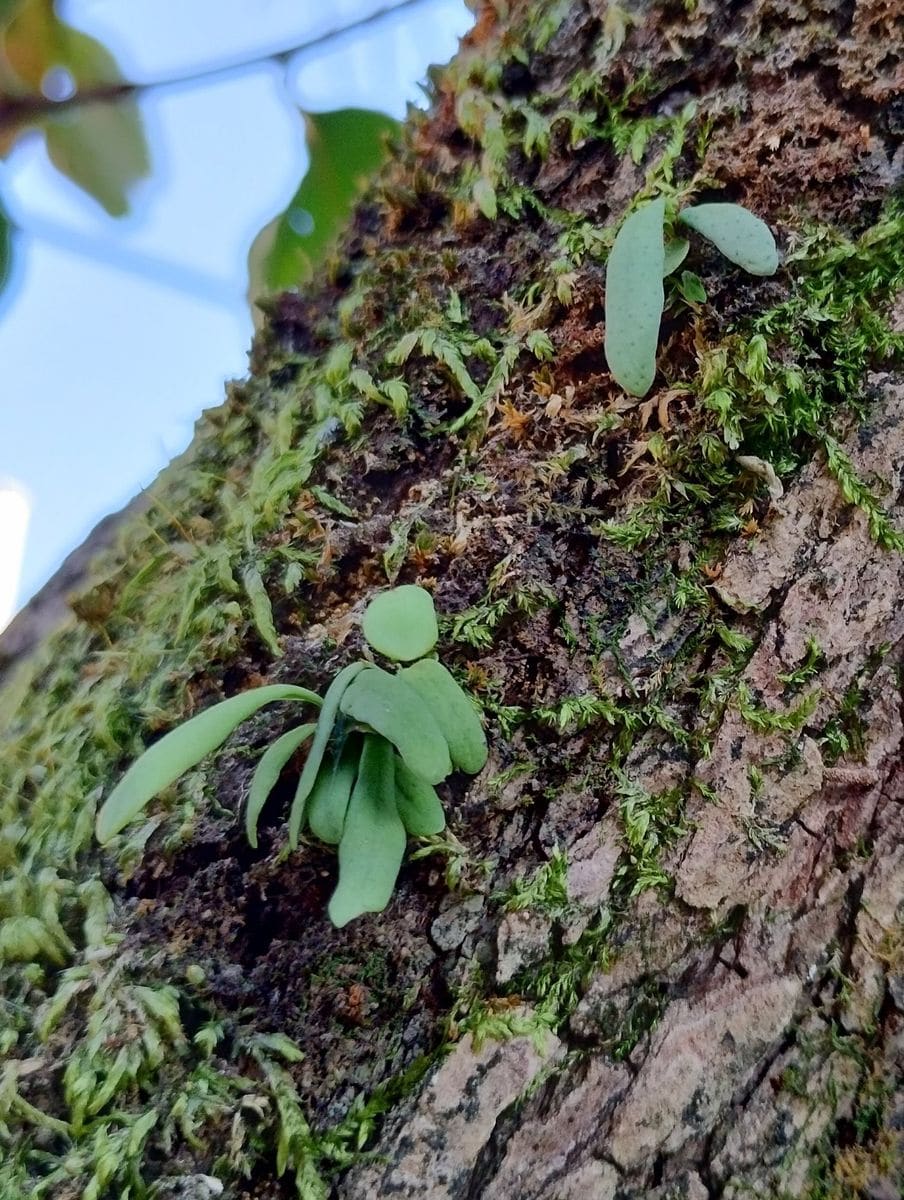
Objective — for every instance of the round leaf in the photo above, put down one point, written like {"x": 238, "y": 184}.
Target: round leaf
{"x": 742, "y": 237}
{"x": 401, "y": 623}
{"x": 635, "y": 298}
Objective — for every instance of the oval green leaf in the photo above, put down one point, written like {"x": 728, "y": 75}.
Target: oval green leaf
{"x": 344, "y": 149}
{"x": 675, "y": 253}
{"x": 401, "y": 623}
{"x": 635, "y": 298}
{"x": 328, "y": 802}
{"x": 325, "y": 723}
{"x": 267, "y": 772}
{"x": 741, "y": 237}
{"x": 417, "y": 803}
{"x": 163, "y": 763}
{"x": 373, "y": 840}
{"x": 390, "y": 707}
{"x": 453, "y": 712}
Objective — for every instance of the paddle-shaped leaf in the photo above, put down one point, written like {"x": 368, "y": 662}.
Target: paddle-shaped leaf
{"x": 373, "y": 840}
{"x": 268, "y": 771}
{"x": 163, "y": 763}
{"x": 389, "y": 706}
{"x": 401, "y": 623}
{"x": 741, "y": 236}
{"x": 453, "y": 712}
{"x": 325, "y": 723}
{"x": 417, "y": 803}
{"x": 328, "y": 801}
{"x": 635, "y": 298}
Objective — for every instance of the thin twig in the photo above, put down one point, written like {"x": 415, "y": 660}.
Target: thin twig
{"x": 17, "y": 110}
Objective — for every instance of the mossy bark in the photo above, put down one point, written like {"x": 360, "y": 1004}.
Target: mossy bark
{"x": 662, "y": 953}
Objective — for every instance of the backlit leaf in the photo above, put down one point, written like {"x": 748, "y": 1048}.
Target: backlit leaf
{"x": 346, "y": 147}
{"x": 373, "y": 841}
{"x": 740, "y": 236}
{"x": 163, "y": 763}
{"x": 268, "y": 771}
{"x": 453, "y": 712}
{"x": 390, "y": 707}
{"x": 100, "y": 146}
{"x": 401, "y": 623}
{"x": 635, "y": 298}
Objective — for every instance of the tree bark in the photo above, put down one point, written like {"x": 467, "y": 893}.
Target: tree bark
{"x": 663, "y": 953}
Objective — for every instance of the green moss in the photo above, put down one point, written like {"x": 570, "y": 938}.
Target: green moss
{"x": 546, "y": 891}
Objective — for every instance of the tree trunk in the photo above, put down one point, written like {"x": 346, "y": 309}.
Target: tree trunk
{"x": 661, "y": 952}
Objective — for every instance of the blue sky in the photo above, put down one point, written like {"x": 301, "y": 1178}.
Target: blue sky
{"x": 114, "y": 335}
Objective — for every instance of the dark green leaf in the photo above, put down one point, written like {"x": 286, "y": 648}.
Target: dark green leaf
{"x": 388, "y": 705}
{"x": 453, "y": 712}
{"x": 635, "y": 298}
{"x": 325, "y": 723}
{"x": 328, "y": 802}
{"x": 401, "y": 623}
{"x": 346, "y": 147}
{"x": 6, "y": 249}
{"x": 691, "y": 288}
{"x": 373, "y": 841}
{"x": 417, "y": 803}
{"x": 268, "y": 771}
{"x": 741, "y": 236}
{"x": 163, "y": 763}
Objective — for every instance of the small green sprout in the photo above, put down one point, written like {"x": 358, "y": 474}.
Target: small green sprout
{"x": 382, "y": 740}
{"x": 639, "y": 259}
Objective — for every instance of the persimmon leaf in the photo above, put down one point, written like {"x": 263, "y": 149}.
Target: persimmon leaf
{"x": 345, "y": 148}
{"x": 100, "y": 146}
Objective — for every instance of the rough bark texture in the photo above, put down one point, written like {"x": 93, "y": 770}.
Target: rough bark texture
{"x": 663, "y": 954}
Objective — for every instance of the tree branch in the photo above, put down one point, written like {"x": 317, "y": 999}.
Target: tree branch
{"x": 20, "y": 110}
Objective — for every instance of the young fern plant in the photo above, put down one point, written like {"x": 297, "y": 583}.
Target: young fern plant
{"x": 382, "y": 741}
{"x": 641, "y": 257}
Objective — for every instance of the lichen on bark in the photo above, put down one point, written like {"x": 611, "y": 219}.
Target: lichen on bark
{"x": 661, "y": 952}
